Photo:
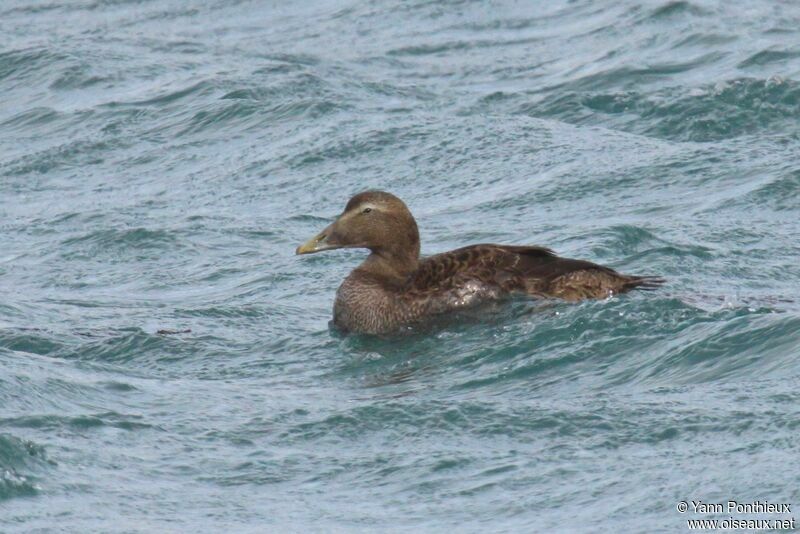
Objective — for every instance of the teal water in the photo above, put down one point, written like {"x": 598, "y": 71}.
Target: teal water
{"x": 161, "y": 160}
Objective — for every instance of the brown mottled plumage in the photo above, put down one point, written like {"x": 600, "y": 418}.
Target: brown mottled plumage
{"x": 394, "y": 287}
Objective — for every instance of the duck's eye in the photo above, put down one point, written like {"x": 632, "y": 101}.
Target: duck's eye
{"x": 366, "y": 210}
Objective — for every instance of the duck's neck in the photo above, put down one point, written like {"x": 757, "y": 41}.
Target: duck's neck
{"x": 395, "y": 264}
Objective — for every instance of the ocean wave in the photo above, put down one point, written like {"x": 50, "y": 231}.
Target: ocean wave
{"x": 19, "y": 460}
{"x": 77, "y": 154}
{"x": 18, "y": 65}
{"x": 547, "y": 345}
{"x": 160, "y": 340}
{"x": 724, "y": 110}
{"x": 31, "y": 117}
{"x": 79, "y": 422}
{"x": 128, "y": 237}
{"x": 779, "y": 193}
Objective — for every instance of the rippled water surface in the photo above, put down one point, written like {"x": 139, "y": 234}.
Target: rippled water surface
{"x": 160, "y": 161}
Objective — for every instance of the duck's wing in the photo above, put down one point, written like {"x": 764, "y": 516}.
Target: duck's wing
{"x": 537, "y": 271}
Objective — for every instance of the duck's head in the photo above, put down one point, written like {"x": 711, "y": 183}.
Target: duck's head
{"x": 375, "y": 220}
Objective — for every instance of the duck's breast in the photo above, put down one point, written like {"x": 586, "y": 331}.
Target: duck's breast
{"x": 365, "y": 306}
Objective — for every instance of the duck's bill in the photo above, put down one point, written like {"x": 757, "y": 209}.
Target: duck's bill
{"x": 318, "y": 243}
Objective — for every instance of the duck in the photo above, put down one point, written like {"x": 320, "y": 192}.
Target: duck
{"x": 395, "y": 288}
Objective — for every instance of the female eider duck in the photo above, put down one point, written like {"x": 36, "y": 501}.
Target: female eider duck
{"x": 394, "y": 287}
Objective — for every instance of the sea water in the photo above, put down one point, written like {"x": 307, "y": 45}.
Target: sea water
{"x": 166, "y": 363}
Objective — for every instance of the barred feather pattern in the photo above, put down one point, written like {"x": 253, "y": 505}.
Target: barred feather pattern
{"x": 467, "y": 277}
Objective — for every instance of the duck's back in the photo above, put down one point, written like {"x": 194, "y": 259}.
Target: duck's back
{"x": 490, "y": 271}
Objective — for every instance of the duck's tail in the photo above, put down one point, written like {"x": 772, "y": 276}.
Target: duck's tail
{"x": 599, "y": 283}
{"x": 644, "y": 283}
